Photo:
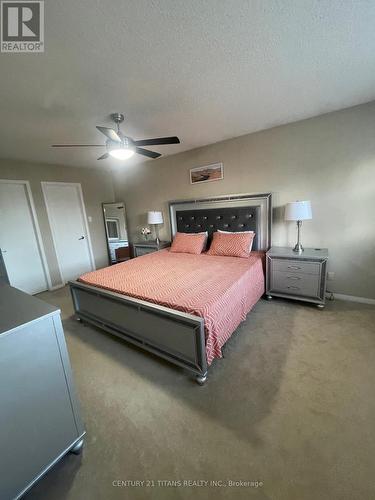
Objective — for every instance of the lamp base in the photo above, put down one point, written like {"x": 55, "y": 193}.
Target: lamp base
{"x": 298, "y": 248}
{"x": 157, "y": 240}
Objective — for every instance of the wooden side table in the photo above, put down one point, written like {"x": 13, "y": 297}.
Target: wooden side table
{"x": 145, "y": 247}
{"x": 122, "y": 254}
{"x": 298, "y": 276}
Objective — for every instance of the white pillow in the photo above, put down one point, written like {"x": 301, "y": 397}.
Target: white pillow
{"x": 234, "y": 232}
{"x": 204, "y": 232}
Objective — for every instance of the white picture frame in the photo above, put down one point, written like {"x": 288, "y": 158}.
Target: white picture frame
{"x": 207, "y": 173}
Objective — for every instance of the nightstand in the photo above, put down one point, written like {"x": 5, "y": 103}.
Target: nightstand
{"x": 145, "y": 247}
{"x": 298, "y": 276}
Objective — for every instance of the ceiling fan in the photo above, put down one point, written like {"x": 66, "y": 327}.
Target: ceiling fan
{"x": 120, "y": 146}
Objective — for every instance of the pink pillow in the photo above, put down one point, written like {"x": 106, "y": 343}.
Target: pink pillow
{"x": 189, "y": 243}
{"x": 233, "y": 232}
{"x": 231, "y": 244}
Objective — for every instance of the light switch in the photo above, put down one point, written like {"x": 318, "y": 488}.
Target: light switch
{"x": 89, "y": 218}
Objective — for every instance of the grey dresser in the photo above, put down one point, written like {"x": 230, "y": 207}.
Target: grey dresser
{"x": 3, "y": 272}
{"x": 39, "y": 415}
{"x": 145, "y": 247}
{"x": 297, "y": 276}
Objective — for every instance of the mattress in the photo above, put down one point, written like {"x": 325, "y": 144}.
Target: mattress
{"x": 221, "y": 290}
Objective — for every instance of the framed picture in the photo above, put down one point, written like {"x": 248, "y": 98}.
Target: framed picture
{"x": 208, "y": 173}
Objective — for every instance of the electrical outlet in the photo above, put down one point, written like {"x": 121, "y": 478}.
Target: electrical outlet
{"x": 331, "y": 275}
{"x": 89, "y": 218}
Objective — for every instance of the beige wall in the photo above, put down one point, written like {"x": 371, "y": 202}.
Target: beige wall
{"x": 97, "y": 187}
{"x": 329, "y": 160}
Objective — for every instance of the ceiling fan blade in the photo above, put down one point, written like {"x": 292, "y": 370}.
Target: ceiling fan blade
{"x": 78, "y": 145}
{"x": 146, "y": 152}
{"x": 158, "y": 141}
{"x": 103, "y": 157}
{"x": 110, "y": 133}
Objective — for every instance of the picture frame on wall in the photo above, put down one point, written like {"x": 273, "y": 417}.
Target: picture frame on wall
{"x": 207, "y": 173}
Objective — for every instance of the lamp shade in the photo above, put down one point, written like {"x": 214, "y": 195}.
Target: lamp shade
{"x": 154, "y": 218}
{"x": 298, "y": 210}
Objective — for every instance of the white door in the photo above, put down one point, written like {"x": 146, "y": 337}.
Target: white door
{"x": 20, "y": 238}
{"x": 67, "y": 218}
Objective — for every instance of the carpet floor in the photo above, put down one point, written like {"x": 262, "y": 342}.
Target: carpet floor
{"x": 291, "y": 408}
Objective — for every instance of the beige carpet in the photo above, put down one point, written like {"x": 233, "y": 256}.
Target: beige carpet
{"x": 292, "y": 406}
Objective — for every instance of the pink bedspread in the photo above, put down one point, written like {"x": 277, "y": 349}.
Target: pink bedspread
{"x": 222, "y": 290}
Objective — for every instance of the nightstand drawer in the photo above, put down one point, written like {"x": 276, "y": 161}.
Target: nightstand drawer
{"x": 144, "y": 251}
{"x": 146, "y": 247}
{"x": 296, "y": 266}
{"x": 295, "y": 284}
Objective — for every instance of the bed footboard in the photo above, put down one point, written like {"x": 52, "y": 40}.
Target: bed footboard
{"x": 170, "y": 334}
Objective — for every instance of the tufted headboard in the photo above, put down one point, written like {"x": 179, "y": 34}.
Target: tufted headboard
{"x": 229, "y": 213}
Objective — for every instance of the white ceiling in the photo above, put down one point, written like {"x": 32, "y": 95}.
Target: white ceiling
{"x": 203, "y": 70}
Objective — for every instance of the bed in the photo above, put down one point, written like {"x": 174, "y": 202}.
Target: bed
{"x": 183, "y": 307}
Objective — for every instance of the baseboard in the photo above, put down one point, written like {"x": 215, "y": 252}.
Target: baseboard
{"x": 56, "y": 287}
{"x": 353, "y": 298}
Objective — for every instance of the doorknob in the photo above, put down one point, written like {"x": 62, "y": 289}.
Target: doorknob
{"x": 81, "y": 238}
{"x": 3, "y": 251}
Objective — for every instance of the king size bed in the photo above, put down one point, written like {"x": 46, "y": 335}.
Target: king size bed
{"x": 183, "y": 307}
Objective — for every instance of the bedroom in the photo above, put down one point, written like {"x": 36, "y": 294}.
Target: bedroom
{"x": 271, "y": 102}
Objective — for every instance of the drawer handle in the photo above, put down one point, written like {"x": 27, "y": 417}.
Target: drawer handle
{"x": 293, "y": 267}
{"x": 293, "y": 287}
{"x": 294, "y": 278}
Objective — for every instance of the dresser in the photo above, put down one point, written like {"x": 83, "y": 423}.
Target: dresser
{"x": 39, "y": 415}
{"x": 3, "y": 272}
{"x": 145, "y": 247}
{"x": 298, "y": 276}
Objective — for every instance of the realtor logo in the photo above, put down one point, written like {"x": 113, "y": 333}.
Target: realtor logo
{"x": 22, "y": 26}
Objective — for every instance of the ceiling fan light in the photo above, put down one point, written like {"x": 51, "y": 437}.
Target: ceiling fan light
{"x": 121, "y": 153}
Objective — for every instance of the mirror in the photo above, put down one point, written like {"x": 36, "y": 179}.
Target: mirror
{"x": 116, "y": 232}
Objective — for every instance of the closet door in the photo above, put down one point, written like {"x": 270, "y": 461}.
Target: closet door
{"x": 20, "y": 244}
{"x": 67, "y": 218}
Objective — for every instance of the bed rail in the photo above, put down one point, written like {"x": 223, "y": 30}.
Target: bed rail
{"x": 173, "y": 335}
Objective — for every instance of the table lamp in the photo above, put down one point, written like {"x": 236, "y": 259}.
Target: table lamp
{"x": 155, "y": 218}
{"x": 298, "y": 211}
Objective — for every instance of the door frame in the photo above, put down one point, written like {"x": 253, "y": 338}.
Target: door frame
{"x": 38, "y": 234}
{"x": 77, "y": 185}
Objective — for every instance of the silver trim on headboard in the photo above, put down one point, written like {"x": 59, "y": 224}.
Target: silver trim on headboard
{"x": 263, "y": 201}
